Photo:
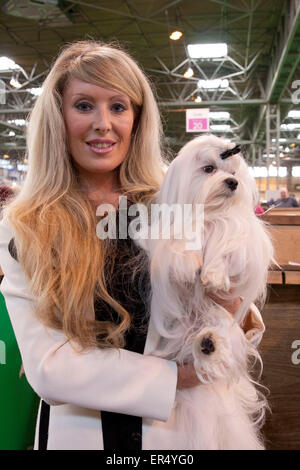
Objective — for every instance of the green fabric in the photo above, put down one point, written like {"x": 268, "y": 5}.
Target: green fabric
{"x": 18, "y": 402}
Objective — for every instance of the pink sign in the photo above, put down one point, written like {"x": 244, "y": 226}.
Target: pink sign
{"x": 198, "y": 124}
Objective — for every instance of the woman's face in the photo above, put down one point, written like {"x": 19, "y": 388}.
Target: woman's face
{"x": 99, "y": 124}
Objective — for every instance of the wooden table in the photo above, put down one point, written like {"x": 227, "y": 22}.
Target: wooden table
{"x": 284, "y": 229}
{"x": 281, "y": 374}
{"x": 281, "y": 315}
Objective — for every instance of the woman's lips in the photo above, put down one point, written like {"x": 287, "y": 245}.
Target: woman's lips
{"x": 100, "y": 147}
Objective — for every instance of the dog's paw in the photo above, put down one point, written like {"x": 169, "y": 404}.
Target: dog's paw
{"x": 205, "y": 344}
{"x": 215, "y": 280}
{"x": 210, "y": 352}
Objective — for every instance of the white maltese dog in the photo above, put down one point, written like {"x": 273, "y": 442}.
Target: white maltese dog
{"x": 226, "y": 410}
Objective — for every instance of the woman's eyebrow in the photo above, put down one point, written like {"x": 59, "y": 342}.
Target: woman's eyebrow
{"x": 121, "y": 96}
{"x": 110, "y": 98}
{"x": 86, "y": 95}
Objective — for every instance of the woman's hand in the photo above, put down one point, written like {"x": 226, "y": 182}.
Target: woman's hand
{"x": 187, "y": 377}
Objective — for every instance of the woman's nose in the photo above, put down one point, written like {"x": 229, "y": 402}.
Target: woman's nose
{"x": 102, "y": 121}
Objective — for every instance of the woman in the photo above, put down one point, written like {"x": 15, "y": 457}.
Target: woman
{"x": 94, "y": 134}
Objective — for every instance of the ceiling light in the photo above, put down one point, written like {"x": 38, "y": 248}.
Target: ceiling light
{"x": 188, "y": 73}
{"x": 219, "y": 115}
{"x": 15, "y": 83}
{"x": 36, "y": 91}
{"x": 175, "y": 35}
{"x": 220, "y": 127}
{"x": 207, "y": 51}
{"x": 198, "y": 99}
{"x": 5, "y": 156}
{"x": 17, "y": 122}
{"x": 294, "y": 114}
{"x": 290, "y": 127}
{"x": 213, "y": 84}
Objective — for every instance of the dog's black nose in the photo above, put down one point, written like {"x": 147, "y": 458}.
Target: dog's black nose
{"x": 207, "y": 345}
{"x": 231, "y": 183}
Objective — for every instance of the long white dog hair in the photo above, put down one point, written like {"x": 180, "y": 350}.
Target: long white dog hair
{"x": 227, "y": 410}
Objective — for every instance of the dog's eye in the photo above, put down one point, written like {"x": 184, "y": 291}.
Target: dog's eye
{"x": 208, "y": 168}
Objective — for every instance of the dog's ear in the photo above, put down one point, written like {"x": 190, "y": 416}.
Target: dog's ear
{"x": 169, "y": 188}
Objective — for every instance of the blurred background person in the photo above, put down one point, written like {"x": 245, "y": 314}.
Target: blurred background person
{"x": 285, "y": 200}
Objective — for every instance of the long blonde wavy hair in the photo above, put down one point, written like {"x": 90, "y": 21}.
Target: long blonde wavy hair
{"x": 54, "y": 222}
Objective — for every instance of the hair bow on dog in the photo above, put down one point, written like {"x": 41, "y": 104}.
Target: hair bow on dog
{"x": 230, "y": 152}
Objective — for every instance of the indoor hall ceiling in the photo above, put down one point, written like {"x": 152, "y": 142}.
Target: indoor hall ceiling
{"x": 262, "y": 60}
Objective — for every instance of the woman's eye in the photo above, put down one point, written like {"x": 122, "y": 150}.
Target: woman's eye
{"x": 208, "y": 168}
{"x": 118, "y": 107}
{"x": 83, "y": 106}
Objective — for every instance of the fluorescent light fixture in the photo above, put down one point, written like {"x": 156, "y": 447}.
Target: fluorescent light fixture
{"x": 175, "y": 35}
{"x": 282, "y": 139}
{"x": 8, "y": 64}
{"x": 36, "y": 91}
{"x": 219, "y": 115}
{"x": 271, "y": 155}
{"x": 207, "y": 51}
{"x": 298, "y": 137}
{"x": 294, "y": 114}
{"x": 290, "y": 127}
{"x": 17, "y": 122}
{"x": 220, "y": 127}
{"x": 213, "y": 84}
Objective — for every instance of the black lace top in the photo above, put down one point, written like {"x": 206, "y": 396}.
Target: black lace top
{"x": 128, "y": 271}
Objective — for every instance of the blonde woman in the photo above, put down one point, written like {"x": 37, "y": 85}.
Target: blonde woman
{"x": 79, "y": 305}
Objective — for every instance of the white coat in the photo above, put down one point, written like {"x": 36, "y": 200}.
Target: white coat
{"x": 79, "y": 385}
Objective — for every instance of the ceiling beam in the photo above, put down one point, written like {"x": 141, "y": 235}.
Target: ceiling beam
{"x": 192, "y": 104}
{"x": 285, "y": 59}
